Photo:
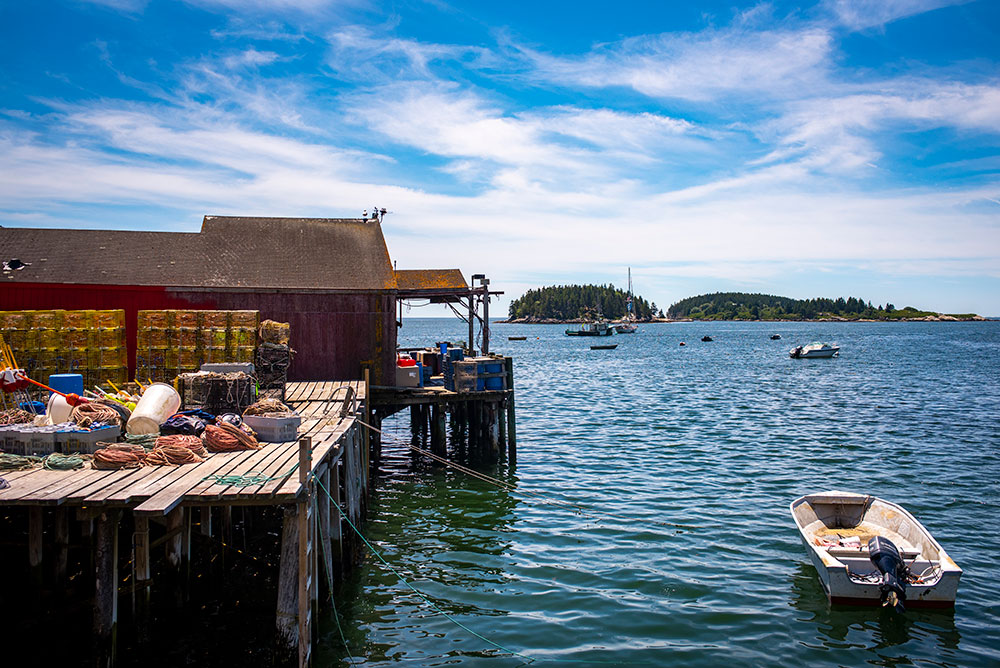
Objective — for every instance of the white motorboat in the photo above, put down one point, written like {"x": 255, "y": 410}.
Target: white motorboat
{"x": 815, "y": 349}
{"x": 868, "y": 551}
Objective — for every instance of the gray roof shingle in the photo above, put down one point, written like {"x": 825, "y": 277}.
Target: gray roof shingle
{"x": 228, "y": 252}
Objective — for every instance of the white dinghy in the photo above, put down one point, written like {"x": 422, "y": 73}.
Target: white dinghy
{"x": 872, "y": 552}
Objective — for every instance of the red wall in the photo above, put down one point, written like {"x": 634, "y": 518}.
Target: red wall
{"x": 334, "y": 335}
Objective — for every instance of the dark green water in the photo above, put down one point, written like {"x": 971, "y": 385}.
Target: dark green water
{"x": 718, "y": 437}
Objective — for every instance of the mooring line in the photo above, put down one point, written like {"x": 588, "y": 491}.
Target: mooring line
{"x": 329, "y": 579}
{"x": 406, "y": 582}
{"x": 583, "y": 510}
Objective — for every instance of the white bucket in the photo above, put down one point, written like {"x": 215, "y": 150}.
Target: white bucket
{"x": 58, "y": 410}
{"x": 158, "y": 402}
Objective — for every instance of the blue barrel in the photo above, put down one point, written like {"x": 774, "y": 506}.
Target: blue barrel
{"x": 67, "y": 383}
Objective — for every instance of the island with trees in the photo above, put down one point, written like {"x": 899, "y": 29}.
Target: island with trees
{"x": 578, "y": 303}
{"x": 751, "y": 306}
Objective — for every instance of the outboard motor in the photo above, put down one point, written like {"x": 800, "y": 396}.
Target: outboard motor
{"x": 795, "y": 352}
{"x": 886, "y": 559}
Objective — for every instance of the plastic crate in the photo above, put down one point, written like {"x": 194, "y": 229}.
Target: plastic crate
{"x": 274, "y": 429}
{"x": 34, "y": 442}
{"x": 86, "y": 440}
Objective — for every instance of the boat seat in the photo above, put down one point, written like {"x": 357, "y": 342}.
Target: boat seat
{"x": 840, "y": 551}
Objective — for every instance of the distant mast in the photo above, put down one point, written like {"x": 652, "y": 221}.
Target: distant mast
{"x": 628, "y": 302}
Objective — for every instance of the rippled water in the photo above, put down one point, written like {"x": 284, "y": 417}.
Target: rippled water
{"x": 717, "y": 438}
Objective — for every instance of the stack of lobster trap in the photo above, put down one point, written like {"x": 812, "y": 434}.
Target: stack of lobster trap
{"x": 173, "y": 342}
{"x": 88, "y": 342}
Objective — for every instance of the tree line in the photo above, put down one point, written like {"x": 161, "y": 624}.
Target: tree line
{"x": 571, "y": 302}
{"x": 752, "y": 306}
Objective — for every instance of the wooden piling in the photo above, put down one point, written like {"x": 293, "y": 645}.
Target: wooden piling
{"x": 205, "y": 521}
{"x": 438, "y": 430}
{"x": 325, "y": 528}
{"x": 106, "y": 589}
{"x": 61, "y": 544}
{"x": 508, "y": 363}
{"x": 35, "y": 532}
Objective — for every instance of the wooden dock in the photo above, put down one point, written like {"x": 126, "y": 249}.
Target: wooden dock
{"x": 332, "y": 451}
{"x": 483, "y": 422}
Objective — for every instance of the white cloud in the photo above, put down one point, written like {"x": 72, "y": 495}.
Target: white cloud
{"x": 700, "y": 66}
{"x": 129, "y": 6}
{"x": 842, "y": 133}
{"x": 250, "y": 58}
{"x": 360, "y": 53}
{"x": 861, "y": 14}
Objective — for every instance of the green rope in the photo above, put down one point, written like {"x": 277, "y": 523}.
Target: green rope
{"x": 145, "y": 440}
{"x": 60, "y": 462}
{"x": 329, "y": 579}
{"x": 9, "y": 462}
{"x": 416, "y": 591}
{"x": 247, "y": 479}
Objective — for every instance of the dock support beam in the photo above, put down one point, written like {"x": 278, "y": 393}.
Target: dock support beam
{"x": 35, "y": 545}
{"x": 62, "y": 544}
{"x": 438, "y": 430}
{"x": 106, "y": 590}
{"x": 508, "y": 363}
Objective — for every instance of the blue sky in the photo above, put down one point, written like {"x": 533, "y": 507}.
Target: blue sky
{"x": 829, "y": 149}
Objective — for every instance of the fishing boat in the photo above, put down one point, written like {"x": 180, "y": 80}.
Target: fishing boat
{"x": 869, "y": 551}
{"x": 814, "y": 350}
{"x": 776, "y": 337}
{"x": 608, "y": 346}
{"x": 627, "y": 324}
{"x": 599, "y": 328}
{"x": 707, "y": 338}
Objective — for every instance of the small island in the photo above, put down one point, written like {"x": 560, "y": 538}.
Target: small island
{"x": 752, "y": 306}
{"x": 580, "y": 303}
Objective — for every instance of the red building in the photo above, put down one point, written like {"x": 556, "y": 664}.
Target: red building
{"x": 332, "y": 279}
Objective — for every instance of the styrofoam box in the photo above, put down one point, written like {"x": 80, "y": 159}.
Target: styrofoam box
{"x": 274, "y": 429}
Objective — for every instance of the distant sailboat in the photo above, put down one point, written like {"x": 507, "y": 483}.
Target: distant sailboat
{"x": 627, "y": 324}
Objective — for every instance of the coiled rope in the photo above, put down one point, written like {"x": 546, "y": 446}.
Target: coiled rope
{"x": 119, "y": 456}
{"x": 9, "y": 462}
{"x": 143, "y": 440}
{"x": 171, "y": 455}
{"x": 15, "y": 416}
{"x": 271, "y": 407}
{"x": 192, "y": 443}
{"x": 60, "y": 462}
{"x": 87, "y": 414}
{"x": 228, "y": 438}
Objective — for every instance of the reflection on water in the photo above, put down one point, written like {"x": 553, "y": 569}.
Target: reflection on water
{"x": 874, "y": 628}
{"x": 719, "y": 438}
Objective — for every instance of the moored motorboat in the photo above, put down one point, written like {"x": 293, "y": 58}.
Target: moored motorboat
{"x": 626, "y": 328}
{"x": 814, "y": 350}
{"x": 517, "y": 338}
{"x": 707, "y": 338}
{"x": 600, "y": 328}
{"x": 775, "y": 337}
{"x": 609, "y": 346}
{"x": 869, "y": 551}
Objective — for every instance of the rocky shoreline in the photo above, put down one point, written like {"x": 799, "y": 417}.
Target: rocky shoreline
{"x": 940, "y": 317}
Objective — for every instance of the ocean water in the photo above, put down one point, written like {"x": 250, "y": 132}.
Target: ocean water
{"x": 684, "y": 461}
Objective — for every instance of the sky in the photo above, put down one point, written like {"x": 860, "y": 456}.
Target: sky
{"x": 838, "y": 148}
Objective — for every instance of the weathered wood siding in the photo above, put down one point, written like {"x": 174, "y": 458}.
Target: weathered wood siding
{"x": 335, "y": 335}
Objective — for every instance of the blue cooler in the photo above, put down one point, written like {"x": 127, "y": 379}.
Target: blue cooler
{"x": 67, "y": 383}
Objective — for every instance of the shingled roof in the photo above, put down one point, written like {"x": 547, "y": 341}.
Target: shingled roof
{"x": 228, "y": 252}
{"x": 431, "y": 279}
